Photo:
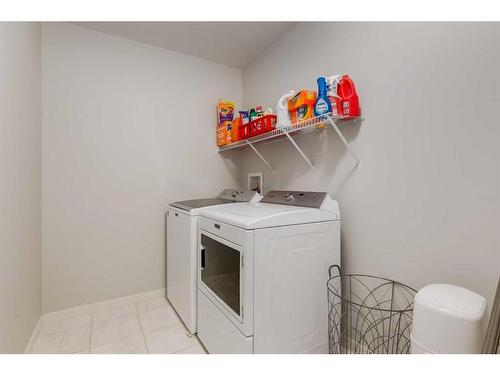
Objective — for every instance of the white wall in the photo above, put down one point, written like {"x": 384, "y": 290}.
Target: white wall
{"x": 20, "y": 184}
{"x": 423, "y": 207}
{"x": 126, "y": 129}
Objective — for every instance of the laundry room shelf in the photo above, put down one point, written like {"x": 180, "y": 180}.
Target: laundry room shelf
{"x": 299, "y": 127}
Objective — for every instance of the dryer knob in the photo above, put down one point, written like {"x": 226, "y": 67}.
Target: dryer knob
{"x": 235, "y": 194}
{"x": 289, "y": 197}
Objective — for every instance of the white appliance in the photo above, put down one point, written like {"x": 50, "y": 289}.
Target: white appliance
{"x": 262, "y": 274}
{"x": 182, "y": 227}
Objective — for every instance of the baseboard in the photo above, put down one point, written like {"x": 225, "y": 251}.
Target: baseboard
{"x": 34, "y": 336}
{"x": 93, "y": 307}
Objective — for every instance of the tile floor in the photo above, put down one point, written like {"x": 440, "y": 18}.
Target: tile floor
{"x": 138, "y": 328}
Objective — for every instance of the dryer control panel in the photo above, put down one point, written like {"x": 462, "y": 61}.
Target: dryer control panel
{"x": 312, "y": 199}
{"x": 239, "y": 195}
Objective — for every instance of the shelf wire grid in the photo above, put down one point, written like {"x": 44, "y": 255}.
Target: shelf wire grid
{"x": 294, "y": 128}
{"x": 369, "y": 315}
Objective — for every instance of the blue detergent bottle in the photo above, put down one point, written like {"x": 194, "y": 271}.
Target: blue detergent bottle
{"x": 322, "y": 105}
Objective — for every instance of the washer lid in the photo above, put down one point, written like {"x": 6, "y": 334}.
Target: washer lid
{"x": 226, "y": 196}
{"x": 266, "y": 215}
{"x": 198, "y": 203}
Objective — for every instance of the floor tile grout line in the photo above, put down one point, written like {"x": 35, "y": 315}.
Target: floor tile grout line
{"x": 165, "y": 327}
{"x": 120, "y": 317}
{"x": 35, "y": 340}
{"x": 187, "y": 347}
{"x": 120, "y": 340}
{"x": 162, "y": 306}
{"x": 142, "y": 328}
{"x": 59, "y": 338}
{"x": 59, "y": 333}
{"x": 137, "y": 314}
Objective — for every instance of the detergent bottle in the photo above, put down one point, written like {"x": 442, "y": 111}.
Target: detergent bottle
{"x": 283, "y": 121}
{"x": 350, "y": 101}
{"x": 322, "y": 105}
{"x": 253, "y": 114}
{"x": 333, "y": 96}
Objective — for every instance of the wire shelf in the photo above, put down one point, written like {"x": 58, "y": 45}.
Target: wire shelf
{"x": 295, "y": 128}
{"x": 368, "y": 315}
{"x": 311, "y": 123}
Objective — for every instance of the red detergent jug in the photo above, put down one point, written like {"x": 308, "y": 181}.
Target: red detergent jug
{"x": 350, "y": 101}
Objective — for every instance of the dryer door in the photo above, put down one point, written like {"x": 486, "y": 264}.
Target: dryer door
{"x": 225, "y": 273}
{"x": 221, "y": 271}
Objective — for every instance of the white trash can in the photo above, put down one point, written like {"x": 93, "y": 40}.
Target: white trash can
{"x": 447, "y": 319}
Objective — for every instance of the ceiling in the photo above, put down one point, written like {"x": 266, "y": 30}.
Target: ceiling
{"x": 230, "y": 43}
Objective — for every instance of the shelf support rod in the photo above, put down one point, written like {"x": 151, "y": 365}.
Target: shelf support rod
{"x": 260, "y": 156}
{"x": 299, "y": 150}
{"x": 349, "y": 148}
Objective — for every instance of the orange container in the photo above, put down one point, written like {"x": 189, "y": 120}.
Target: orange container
{"x": 236, "y": 129}
{"x": 301, "y": 106}
{"x": 224, "y": 133}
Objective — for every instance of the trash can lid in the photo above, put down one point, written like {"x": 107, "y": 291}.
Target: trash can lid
{"x": 453, "y": 299}
{"x": 448, "y": 319}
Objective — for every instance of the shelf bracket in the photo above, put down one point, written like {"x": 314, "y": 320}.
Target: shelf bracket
{"x": 299, "y": 150}
{"x": 260, "y": 156}
{"x": 349, "y": 148}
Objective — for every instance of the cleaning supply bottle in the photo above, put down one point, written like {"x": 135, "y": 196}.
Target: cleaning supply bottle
{"x": 236, "y": 129}
{"x": 322, "y": 105}
{"x": 350, "y": 100}
{"x": 283, "y": 118}
{"x": 244, "y": 117}
{"x": 335, "y": 99}
{"x": 253, "y": 114}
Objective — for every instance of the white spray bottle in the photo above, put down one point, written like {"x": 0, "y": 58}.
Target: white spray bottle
{"x": 283, "y": 121}
{"x": 335, "y": 99}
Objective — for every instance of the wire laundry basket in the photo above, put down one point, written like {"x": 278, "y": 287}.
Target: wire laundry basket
{"x": 368, "y": 314}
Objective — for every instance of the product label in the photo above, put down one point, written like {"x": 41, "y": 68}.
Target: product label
{"x": 225, "y": 114}
{"x": 321, "y": 107}
{"x": 345, "y": 105}
{"x": 301, "y": 112}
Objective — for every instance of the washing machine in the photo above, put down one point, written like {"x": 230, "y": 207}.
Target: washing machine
{"x": 182, "y": 227}
{"x": 262, "y": 273}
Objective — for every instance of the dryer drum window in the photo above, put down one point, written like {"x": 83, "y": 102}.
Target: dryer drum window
{"x": 221, "y": 271}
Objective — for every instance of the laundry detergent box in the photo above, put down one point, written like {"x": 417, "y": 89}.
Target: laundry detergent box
{"x": 301, "y": 106}
{"x": 224, "y": 133}
{"x": 225, "y": 114}
{"x": 225, "y": 111}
